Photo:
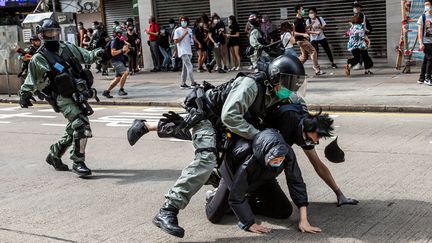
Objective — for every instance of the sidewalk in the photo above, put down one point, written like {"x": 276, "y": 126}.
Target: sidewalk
{"x": 388, "y": 90}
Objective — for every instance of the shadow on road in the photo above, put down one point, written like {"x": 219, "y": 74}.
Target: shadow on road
{"x": 134, "y": 176}
{"x": 397, "y": 220}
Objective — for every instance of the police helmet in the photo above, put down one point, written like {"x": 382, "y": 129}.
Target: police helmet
{"x": 289, "y": 72}
{"x": 48, "y": 30}
{"x": 34, "y": 38}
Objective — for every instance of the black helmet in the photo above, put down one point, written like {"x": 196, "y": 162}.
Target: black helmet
{"x": 48, "y": 30}
{"x": 34, "y": 37}
{"x": 287, "y": 71}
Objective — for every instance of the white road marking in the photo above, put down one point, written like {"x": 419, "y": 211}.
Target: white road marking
{"x": 47, "y": 110}
{"x": 14, "y": 108}
{"x": 5, "y": 122}
{"x": 53, "y": 125}
{"x": 25, "y": 115}
{"x": 334, "y": 116}
{"x": 430, "y": 142}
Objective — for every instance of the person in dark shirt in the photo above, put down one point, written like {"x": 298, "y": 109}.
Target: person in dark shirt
{"x": 234, "y": 42}
{"x": 301, "y": 37}
{"x": 133, "y": 39}
{"x": 217, "y": 39}
{"x": 118, "y": 49}
{"x": 200, "y": 38}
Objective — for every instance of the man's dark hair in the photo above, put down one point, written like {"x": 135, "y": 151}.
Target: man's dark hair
{"x": 171, "y": 21}
{"x": 428, "y": 1}
{"x": 357, "y": 5}
{"x": 185, "y": 18}
{"x": 298, "y": 7}
{"x": 96, "y": 22}
{"x": 116, "y": 22}
{"x": 80, "y": 23}
{"x": 319, "y": 123}
{"x": 313, "y": 9}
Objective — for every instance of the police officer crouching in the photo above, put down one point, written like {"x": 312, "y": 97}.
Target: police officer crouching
{"x": 55, "y": 74}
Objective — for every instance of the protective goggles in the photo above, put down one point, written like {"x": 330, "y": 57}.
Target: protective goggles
{"x": 295, "y": 83}
{"x": 51, "y": 34}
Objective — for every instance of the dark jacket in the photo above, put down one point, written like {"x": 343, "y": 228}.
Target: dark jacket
{"x": 254, "y": 172}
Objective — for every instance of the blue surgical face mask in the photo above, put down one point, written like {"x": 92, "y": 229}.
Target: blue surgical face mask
{"x": 427, "y": 9}
{"x": 283, "y": 93}
{"x": 184, "y": 24}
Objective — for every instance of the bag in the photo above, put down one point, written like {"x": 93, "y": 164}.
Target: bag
{"x": 108, "y": 55}
{"x": 368, "y": 25}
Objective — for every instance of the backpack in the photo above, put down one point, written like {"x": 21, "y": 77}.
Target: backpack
{"x": 108, "y": 55}
{"x": 367, "y": 24}
{"x": 319, "y": 19}
{"x": 424, "y": 23}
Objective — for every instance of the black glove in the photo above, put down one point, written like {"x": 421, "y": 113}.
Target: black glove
{"x": 173, "y": 117}
{"x": 342, "y": 200}
{"x": 25, "y": 99}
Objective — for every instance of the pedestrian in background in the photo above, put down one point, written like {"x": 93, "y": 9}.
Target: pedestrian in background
{"x": 425, "y": 42}
{"x": 302, "y": 36}
{"x": 268, "y": 29}
{"x": 118, "y": 49}
{"x": 153, "y": 34}
{"x": 217, "y": 38}
{"x": 287, "y": 38}
{"x": 133, "y": 39}
{"x": 183, "y": 37}
{"x": 200, "y": 37}
{"x": 175, "y": 59}
{"x": 317, "y": 25}
{"x": 234, "y": 42}
{"x": 164, "y": 48}
{"x": 358, "y": 44}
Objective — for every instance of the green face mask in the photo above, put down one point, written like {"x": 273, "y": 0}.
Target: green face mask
{"x": 283, "y": 93}
{"x": 303, "y": 12}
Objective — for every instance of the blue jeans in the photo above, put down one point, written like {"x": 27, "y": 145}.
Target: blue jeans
{"x": 166, "y": 56}
{"x": 290, "y": 51}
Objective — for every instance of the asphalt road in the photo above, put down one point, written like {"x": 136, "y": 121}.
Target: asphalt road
{"x": 388, "y": 169}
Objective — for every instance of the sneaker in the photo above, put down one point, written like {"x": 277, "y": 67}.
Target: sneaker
{"x": 237, "y": 68}
{"x": 106, "y": 93}
{"x": 334, "y": 65}
{"x": 210, "y": 194}
{"x": 194, "y": 84}
{"x": 220, "y": 70}
{"x": 226, "y": 69}
{"x": 184, "y": 86}
{"x": 233, "y": 69}
{"x": 358, "y": 66}
{"x": 347, "y": 70}
{"x": 420, "y": 81}
{"x": 98, "y": 71}
{"x": 368, "y": 72}
{"x": 122, "y": 92}
{"x": 209, "y": 68}
{"x": 105, "y": 73}
{"x": 428, "y": 81}
{"x": 320, "y": 73}
{"x": 250, "y": 67}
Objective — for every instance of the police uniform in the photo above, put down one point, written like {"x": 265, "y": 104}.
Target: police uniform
{"x": 78, "y": 127}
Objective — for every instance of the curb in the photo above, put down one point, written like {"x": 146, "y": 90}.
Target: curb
{"x": 325, "y": 107}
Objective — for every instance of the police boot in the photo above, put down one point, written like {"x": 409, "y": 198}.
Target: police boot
{"x": 166, "y": 219}
{"x": 56, "y": 163}
{"x": 81, "y": 169}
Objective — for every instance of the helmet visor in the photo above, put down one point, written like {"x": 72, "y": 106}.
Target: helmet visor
{"x": 52, "y": 34}
{"x": 295, "y": 83}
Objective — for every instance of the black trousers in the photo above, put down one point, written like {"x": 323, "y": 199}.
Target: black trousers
{"x": 132, "y": 61}
{"x": 426, "y": 69}
{"x": 325, "y": 45}
{"x": 360, "y": 54}
{"x": 268, "y": 200}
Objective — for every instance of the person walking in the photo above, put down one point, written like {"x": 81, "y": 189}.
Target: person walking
{"x": 153, "y": 34}
{"x": 164, "y": 48}
{"x": 425, "y": 42}
{"x": 301, "y": 36}
{"x": 183, "y": 37}
{"x": 287, "y": 38}
{"x": 358, "y": 44}
{"x": 133, "y": 39}
{"x": 234, "y": 42}
{"x": 118, "y": 49}
{"x": 317, "y": 26}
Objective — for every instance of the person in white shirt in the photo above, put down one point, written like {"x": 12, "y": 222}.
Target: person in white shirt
{"x": 317, "y": 25}
{"x": 183, "y": 37}
{"x": 287, "y": 38}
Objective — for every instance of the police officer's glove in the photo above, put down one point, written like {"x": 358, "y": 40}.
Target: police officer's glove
{"x": 173, "y": 117}
{"x": 194, "y": 117}
{"x": 342, "y": 200}
{"x": 25, "y": 99}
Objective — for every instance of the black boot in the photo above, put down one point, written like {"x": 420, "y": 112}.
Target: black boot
{"x": 56, "y": 163}
{"x": 166, "y": 219}
{"x": 81, "y": 169}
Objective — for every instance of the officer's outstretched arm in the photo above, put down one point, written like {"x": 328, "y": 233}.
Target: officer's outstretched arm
{"x": 240, "y": 98}
{"x": 85, "y": 56}
{"x": 37, "y": 68}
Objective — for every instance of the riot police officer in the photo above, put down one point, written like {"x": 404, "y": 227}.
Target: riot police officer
{"x": 221, "y": 107}
{"x": 55, "y": 74}
{"x": 26, "y": 55}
